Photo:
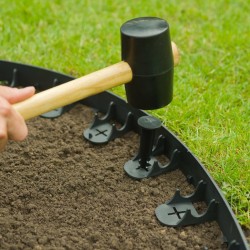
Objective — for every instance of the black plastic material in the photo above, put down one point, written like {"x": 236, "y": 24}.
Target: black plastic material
{"x": 102, "y": 131}
{"x": 179, "y": 211}
{"x": 139, "y": 167}
{"x": 146, "y": 47}
{"x": 54, "y": 113}
{"x": 148, "y": 125}
{"x": 145, "y": 164}
{"x": 168, "y": 143}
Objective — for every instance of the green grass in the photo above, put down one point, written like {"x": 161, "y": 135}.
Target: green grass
{"x": 211, "y": 109}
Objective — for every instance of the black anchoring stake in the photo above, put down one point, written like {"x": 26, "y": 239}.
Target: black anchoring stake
{"x": 140, "y": 166}
{"x": 148, "y": 125}
{"x": 145, "y": 164}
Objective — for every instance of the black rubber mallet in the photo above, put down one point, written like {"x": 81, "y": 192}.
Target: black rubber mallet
{"x": 147, "y": 66}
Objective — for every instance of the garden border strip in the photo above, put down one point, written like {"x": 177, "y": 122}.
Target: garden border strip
{"x": 16, "y": 74}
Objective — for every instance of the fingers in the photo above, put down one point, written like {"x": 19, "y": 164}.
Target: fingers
{"x": 14, "y": 95}
{"x": 17, "y": 129}
{"x": 12, "y": 124}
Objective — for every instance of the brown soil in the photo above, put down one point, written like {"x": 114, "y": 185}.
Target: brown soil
{"x": 58, "y": 191}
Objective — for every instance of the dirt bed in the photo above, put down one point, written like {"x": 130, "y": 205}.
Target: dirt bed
{"x": 58, "y": 191}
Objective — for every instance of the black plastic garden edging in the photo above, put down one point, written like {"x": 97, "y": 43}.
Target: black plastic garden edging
{"x": 115, "y": 108}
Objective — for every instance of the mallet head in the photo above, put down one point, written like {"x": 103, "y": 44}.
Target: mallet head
{"x": 146, "y": 47}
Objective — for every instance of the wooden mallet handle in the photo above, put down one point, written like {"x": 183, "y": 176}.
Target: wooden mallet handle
{"x": 74, "y": 90}
{"x": 78, "y": 89}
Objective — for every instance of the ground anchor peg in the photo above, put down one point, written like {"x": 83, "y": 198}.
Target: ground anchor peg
{"x": 145, "y": 164}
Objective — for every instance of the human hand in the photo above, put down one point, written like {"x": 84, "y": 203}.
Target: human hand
{"x": 12, "y": 124}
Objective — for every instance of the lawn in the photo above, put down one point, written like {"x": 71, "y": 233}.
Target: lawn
{"x": 211, "y": 108}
